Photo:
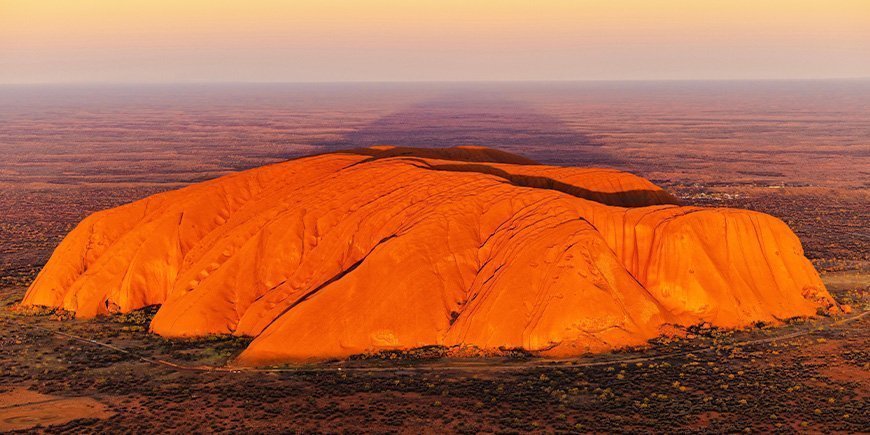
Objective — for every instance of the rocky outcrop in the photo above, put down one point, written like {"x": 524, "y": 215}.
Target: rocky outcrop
{"x": 393, "y": 248}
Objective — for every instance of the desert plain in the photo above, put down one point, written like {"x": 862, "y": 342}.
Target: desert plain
{"x": 797, "y": 150}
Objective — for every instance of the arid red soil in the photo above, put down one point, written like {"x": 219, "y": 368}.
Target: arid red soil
{"x": 804, "y": 376}
{"x": 797, "y": 151}
{"x": 23, "y": 409}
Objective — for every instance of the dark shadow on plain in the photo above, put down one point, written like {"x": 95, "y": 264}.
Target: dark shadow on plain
{"x": 483, "y": 117}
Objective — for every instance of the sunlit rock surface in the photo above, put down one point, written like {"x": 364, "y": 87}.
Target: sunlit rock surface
{"x": 395, "y": 248}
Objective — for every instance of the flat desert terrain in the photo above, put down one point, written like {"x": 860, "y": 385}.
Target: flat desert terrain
{"x": 797, "y": 150}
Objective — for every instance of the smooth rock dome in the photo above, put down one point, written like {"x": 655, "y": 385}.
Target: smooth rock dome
{"x": 394, "y": 248}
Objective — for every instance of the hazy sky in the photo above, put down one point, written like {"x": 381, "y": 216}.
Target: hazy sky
{"x": 386, "y": 40}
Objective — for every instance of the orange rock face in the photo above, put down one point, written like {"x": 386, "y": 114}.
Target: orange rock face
{"x": 394, "y": 248}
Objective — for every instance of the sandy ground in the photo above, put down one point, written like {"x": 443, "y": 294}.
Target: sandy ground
{"x": 24, "y": 409}
{"x": 806, "y": 376}
{"x": 798, "y": 152}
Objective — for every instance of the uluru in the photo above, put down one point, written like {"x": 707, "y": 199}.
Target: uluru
{"x": 384, "y": 248}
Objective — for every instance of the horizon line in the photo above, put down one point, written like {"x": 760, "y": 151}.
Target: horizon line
{"x": 362, "y": 82}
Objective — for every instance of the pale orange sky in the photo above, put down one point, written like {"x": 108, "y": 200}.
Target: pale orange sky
{"x": 391, "y": 40}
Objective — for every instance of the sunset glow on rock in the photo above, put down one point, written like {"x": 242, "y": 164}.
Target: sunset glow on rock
{"x": 395, "y": 248}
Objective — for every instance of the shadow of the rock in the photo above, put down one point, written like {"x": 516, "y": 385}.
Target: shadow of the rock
{"x": 479, "y": 117}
